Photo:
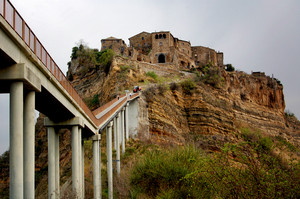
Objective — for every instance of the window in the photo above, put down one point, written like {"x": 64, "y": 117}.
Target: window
{"x": 160, "y": 43}
{"x": 164, "y": 36}
{"x": 118, "y": 41}
{"x": 156, "y": 36}
{"x": 160, "y": 36}
{"x": 142, "y": 38}
{"x": 104, "y": 47}
{"x": 103, "y": 41}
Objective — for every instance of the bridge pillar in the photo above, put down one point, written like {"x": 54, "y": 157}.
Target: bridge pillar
{"x": 82, "y": 168}
{"x": 97, "y": 166}
{"x": 75, "y": 160}
{"x": 53, "y": 165}
{"x": 16, "y": 141}
{"x": 29, "y": 144}
{"x": 109, "y": 159}
{"x": 115, "y": 133}
{"x": 117, "y": 124}
{"x": 123, "y": 129}
{"x": 126, "y": 121}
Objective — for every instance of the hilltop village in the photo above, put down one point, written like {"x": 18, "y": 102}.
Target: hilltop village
{"x": 163, "y": 48}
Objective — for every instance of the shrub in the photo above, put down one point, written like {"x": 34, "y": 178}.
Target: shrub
{"x": 162, "y": 88}
{"x": 212, "y": 75}
{"x": 93, "y": 102}
{"x": 229, "y": 68}
{"x": 173, "y": 86}
{"x": 104, "y": 58}
{"x": 152, "y": 74}
{"x": 187, "y": 86}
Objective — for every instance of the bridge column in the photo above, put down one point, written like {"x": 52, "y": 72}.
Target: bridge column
{"x": 53, "y": 167}
{"x": 16, "y": 141}
{"x": 115, "y": 133}
{"x": 109, "y": 159}
{"x": 123, "y": 129}
{"x": 29, "y": 144}
{"x": 80, "y": 162}
{"x": 75, "y": 160}
{"x": 97, "y": 166}
{"x": 126, "y": 122}
{"x": 82, "y": 168}
{"x": 117, "y": 124}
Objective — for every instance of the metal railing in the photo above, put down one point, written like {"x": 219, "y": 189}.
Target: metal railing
{"x": 14, "y": 19}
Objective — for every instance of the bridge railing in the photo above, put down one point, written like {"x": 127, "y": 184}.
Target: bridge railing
{"x": 14, "y": 19}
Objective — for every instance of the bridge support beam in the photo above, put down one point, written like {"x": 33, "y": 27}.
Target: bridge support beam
{"x": 75, "y": 160}
{"x": 82, "y": 169}
{"x": 97, "y": 166}
{"x": 109, "y": 159}
{"x": 126, "y": 121}
{"x": 115, "y": 133}
{"x": 117, "y": 124}
{"x": 53, "y": 165}
{"x": 16, "y": 141}
{"x": 29, "y": 144}
{"x": 123, "y": 129}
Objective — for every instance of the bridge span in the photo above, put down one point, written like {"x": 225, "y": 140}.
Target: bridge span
{"x": 35, "y": 82}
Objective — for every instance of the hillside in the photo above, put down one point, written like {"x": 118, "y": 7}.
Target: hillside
{"x": 193, "y": 117}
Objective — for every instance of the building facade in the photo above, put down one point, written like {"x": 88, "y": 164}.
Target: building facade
{"x": 163, "y": 48}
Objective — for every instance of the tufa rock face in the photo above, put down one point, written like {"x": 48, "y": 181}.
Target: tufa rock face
{"x": 242, "y": 100}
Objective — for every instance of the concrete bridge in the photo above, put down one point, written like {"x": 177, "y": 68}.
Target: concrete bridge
{"x": 35, "y": 82}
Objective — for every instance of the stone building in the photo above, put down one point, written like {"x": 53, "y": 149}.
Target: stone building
{"x": 117, "y": 45}
{"x": 163, "y": 48}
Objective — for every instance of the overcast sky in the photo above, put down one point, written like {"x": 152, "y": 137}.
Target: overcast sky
{"x": 254, "y": 35}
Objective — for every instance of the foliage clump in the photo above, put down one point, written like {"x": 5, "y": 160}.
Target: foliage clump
{"x": 89, "y": 59}
{"x": 187, "y": 86}
{"x": 248, "y": 169}
{"x": 152, "y": 74}
{"x": 93, "y": 102}
{"x": 212, "y": 75}
{"x": 229, "y": 68}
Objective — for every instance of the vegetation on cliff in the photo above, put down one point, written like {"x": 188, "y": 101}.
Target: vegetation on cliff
{"x": 250, "y": 168}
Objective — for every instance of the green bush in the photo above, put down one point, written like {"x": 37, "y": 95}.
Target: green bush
{"x": 187, "y": 86}
{"x": 212, "y": 75}
{"x": 229, "y": 68}
{"x": 104, "y": 58}
{"x": 152, "y": 74}
{"x": 239, "y": 171}
{"x": 93, "y": 102}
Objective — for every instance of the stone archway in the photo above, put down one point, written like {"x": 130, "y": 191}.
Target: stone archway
{"x": 161, "y": 58}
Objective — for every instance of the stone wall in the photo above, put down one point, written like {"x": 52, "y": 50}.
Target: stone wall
{"x": 203, "y": 55}
{"x": 117, "y": 45}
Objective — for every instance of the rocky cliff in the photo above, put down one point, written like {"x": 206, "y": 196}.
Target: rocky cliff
{"x": 208, "y": 113}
